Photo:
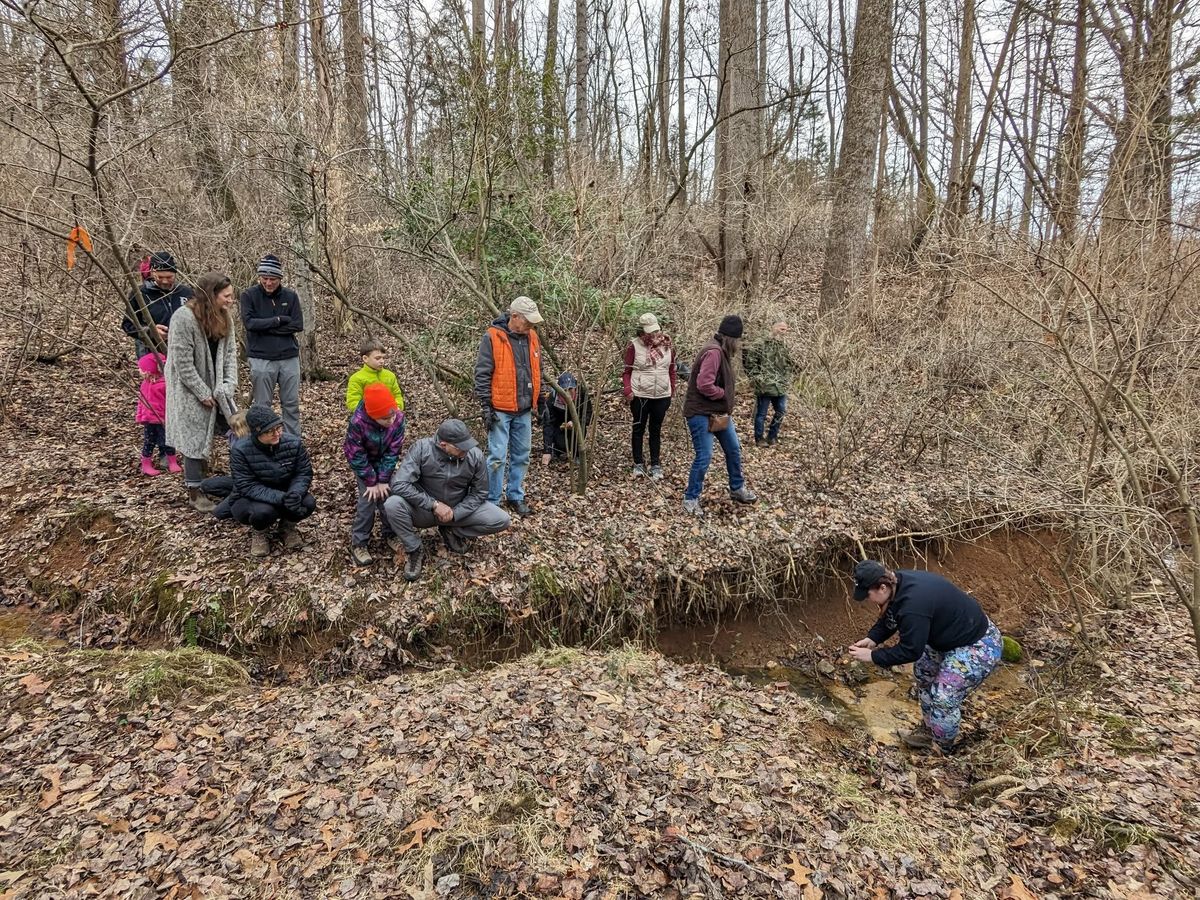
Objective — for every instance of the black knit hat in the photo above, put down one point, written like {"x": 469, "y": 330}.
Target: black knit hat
{"x": 162, "y": 261}
{"x": 731, "y": 326}
{"x": 261, "y": 418}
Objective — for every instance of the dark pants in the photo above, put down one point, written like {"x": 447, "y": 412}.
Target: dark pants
{"x": 650, "y": 413}
{"x": 763, "y": 402}
{"x": 154, "y": 436}
{"x": 261, "y": 516}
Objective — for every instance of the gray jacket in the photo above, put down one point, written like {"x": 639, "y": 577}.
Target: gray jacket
{"x": 429, "y": 474}
{"x": 192, "y": 376}
{"x": 485, "y": 365}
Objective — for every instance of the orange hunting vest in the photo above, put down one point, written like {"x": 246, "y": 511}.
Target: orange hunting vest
{"x": 504, "y": 371}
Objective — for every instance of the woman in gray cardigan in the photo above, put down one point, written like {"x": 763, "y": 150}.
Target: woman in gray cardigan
{"x": 202, "y": 376}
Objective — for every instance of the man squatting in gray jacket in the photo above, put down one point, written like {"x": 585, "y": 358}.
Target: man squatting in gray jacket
{"x": 442, "y": 482}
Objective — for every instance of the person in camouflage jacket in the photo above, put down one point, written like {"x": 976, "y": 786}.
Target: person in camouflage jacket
{"x": 770, "y": 367}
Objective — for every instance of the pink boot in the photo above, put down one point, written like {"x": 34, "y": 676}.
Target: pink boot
{"x": 173, "y": 465}
{"x": 148, "y": 467}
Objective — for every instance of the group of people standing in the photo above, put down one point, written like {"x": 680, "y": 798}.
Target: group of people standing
{"x": 445, "y": 481}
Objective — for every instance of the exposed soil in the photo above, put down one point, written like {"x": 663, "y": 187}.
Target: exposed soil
{"x": 1013, "y": 574}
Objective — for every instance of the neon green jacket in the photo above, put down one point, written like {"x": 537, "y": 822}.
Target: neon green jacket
{"x": 366, "y": 375}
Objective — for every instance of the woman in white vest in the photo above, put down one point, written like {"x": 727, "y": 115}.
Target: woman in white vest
{"x": 649, "y": 384}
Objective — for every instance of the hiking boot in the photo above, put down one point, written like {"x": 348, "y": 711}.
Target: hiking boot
{"x": 656, "y": 473}
{"x": 413, "y": 565}
{"x": 919, "y": 738}
{"x": 361, "y": 555}
{"x": 148, "y": 467}
{"x": 520, "y": 507}
{"x": 454, "y": 541}
{"x": 199, "y": 501}
{"x": 394, "y": 543}
{"x": 759, "y": 443}
{"x": 692, "y": 508}
{"x": 291, "y": 536}
{"x": 260, "y": 544}
{"x": 638, "y": 471}
{"x": 744, "y": 495}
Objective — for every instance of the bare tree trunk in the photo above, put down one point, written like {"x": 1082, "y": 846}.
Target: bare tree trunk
{"x": 870, "y": 62}
{"x": 550, "y": 92}
{"x": 663, "y": 94}
{"x": 959, "y": 189}
{"x": 738, "y": 141}
{"x": 1069, "y": 159}
{"x": 681, "y": 110}
{"x": 354, "y": 76}
{"x": 582, "y": 59}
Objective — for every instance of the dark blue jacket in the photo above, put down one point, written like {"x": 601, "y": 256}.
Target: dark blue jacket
{"x": 265, "y": 473}
{"x": 160, "y": 305}
{"x": 927, "y": 610}
{"x": 272, "y": 322}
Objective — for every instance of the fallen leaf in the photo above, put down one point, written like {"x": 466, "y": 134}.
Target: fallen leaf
{"x": 51, "y": 794}
{"x": 420, "y": 828}
{"x": 161, "y": 839}
{"x": 1016, "y": 890}
{"x": 168, "y": 741}
{"x": 34, "y": 686}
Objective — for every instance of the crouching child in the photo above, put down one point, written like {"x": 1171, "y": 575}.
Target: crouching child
{"x": 374, "y": 441}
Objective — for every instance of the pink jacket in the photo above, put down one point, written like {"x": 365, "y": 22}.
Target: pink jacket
{"x": 152, "y": 395}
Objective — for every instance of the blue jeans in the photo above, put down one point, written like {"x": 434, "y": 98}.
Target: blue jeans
{"x": 702, "y": 443}
{"x": 509, "y": 439}
{"x": 763, "y": 402}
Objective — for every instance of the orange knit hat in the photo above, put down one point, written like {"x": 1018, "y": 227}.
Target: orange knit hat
{"x": 378, "y": 400}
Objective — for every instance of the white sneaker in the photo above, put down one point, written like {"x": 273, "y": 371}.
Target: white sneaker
{"x": 692, "y": 508}
{"x": 656, "y": 473}
{"x": 638, "y": 471}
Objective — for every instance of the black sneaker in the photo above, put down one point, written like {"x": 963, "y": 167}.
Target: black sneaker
{"x": 454, "y": 541}
{"x": 520, "y": 507}
{"x": 413, "y": 564}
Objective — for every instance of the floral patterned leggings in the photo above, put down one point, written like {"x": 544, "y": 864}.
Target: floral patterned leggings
{"x": 945, "y": 679}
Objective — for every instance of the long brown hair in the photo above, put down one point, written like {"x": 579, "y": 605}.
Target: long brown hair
{"x": 214, "y": 321}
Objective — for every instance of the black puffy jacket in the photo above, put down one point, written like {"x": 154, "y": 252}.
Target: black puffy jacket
{"x": 160, "y": 305}
{"x": 265, "y": 473}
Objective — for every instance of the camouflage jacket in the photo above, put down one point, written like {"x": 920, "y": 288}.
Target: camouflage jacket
{"x": 769, "y": 366}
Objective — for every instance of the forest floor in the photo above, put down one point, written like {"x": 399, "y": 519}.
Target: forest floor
{"x": 346, "y": 758}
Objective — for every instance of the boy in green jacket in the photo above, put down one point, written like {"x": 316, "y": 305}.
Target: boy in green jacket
{"x": 771, "y": 369}
{"x": 373, "y": 357}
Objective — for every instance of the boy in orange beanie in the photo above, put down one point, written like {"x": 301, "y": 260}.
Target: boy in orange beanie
{"x": 374, "y": 441}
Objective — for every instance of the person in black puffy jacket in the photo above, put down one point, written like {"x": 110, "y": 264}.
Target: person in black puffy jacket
{"x": 271, "y": 477}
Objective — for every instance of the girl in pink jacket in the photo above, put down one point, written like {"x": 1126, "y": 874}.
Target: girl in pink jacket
{"x": 152, "y": 414}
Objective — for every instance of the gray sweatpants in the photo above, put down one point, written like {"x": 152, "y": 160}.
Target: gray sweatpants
{"x": 265, "y": 374}
{"x": 364, "y": 517}
{"x": 406, "y": 520}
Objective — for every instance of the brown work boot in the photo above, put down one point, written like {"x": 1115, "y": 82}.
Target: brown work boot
{"x": 292, "y": 540}
{"x": 260, "y": 544}
{"x": 199, "y": 500}
{"x": 919, "y": 738}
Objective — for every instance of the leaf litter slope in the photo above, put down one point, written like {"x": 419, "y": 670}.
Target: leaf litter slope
{"x": 579, "y": 774}
{"x": 626, "y": 544}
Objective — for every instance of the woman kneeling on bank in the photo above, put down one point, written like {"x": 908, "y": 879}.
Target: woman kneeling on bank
{"x": 271, "y": 476}
{"x": 944, "y": 632}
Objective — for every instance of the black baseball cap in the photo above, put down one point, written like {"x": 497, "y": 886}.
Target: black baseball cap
{"x": 867, "y": 574}
{"x": 453, "y": 431}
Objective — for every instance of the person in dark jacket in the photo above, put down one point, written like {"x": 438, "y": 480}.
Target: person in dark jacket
{"x": 443, "y": 482}
{"x": 944, "y": 632}
{"x": 708, "y": 409}
{"x": 508, "y": 379}
{"x": 273, "y": 319}
{"x": 374, "y": 441}
{"x": 559, "y": 440}
{"x": 271, "y": 477}
{"x": 155, "y": 302}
